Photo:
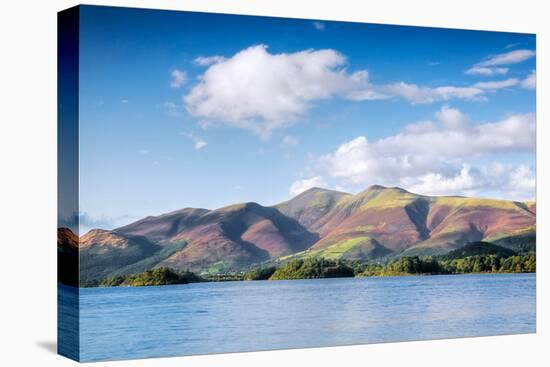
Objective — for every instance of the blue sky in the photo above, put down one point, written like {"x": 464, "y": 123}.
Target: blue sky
{"x": 201, "y": 110}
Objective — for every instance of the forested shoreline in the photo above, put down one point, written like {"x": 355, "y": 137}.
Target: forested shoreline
{"x": 475, "y": 258}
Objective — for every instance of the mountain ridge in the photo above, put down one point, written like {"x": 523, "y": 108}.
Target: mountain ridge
{"x": 375, "y": 223}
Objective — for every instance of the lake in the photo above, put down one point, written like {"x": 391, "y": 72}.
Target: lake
{"x": 201, "y": 318}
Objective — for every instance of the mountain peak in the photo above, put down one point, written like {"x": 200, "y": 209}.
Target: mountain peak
{"x": 249, "y": 205}
{"x": 381, "y": 188}
{"x": 314, "y": 190}
{"x": 313, "y": 195}
{"x": 376, "y": 187}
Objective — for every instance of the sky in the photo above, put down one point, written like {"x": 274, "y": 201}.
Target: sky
{"x": 181, "y": 109}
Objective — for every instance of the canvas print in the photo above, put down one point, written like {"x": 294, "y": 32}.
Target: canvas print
{"x": 237, "y": 183}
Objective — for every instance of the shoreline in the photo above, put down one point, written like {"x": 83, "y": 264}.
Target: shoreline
{"x": 272, "y": 280}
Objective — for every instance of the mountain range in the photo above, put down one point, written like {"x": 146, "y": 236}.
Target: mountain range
{"x": 375, "y": 224}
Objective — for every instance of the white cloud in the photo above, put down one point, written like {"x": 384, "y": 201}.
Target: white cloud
{"x": 199, "y": 143}
{"x": 492, "y": 65}
{"x": 422, "y": 95}
{"x": 486, "y": 71}
{"x": 430, "y": 153}
{"x": 259, "y": 91}
{"x": 494, "y": 85}
{"x": 320, "y": 26}
{"x": 178, "y": 78}
{"x": 522, "y": 182}
{"x": 290, "y": 140}
{"x": 451, "y": 119}
{"x": 300, "y": 186}
{"x": 438, "y": 184}
{"x": 124, "y": 101}
{"x": 505, "y": 181}
{"x": 507, "y": 58}
{"x": 531, "y": 81}
{"x": 209, "y": 60}
{"x": 206, "y": 124}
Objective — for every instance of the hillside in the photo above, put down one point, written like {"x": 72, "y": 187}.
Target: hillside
{"x": 382, "y": 221}
{"x": 103, "y": 252}
{"x": 378, "y": 223}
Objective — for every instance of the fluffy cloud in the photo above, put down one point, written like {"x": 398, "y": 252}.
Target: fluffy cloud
{"x": 522, "y": 182}
{"x": 178, "y": 78}
{"x": 492, "y": 65}
{"x": 302, "y": 185}
{"x": 452, "y": 134}
{"x": 512, "y": 182}
{"x": 531, "y": 81}
{"x": 429, "y": 156}
{"x": 439, "y": 184}
{"x": 260, "y": 91}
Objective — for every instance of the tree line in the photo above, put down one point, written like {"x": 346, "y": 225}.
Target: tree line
{"x": 473, "y": 258}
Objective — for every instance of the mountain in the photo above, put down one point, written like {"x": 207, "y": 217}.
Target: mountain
{"x": 226, "y": 238}
{"x": 309, "y": 207}
{"x": 165, "y": 226}
{"x": 103, "y": 252}
{"x": 381, "y": 221}
{"x": 377, "y": 223}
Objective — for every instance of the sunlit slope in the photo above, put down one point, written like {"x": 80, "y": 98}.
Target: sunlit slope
{"x": 103, "y": 252}
{"x": 381, "y": 221}
{"x": 375, "y": 224}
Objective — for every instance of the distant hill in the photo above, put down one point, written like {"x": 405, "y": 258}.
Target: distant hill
{"x": 104, "y": 252}
{"x": 377, "y": 223}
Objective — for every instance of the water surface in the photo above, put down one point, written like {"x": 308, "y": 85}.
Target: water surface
{"x": 200, "y": 318}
